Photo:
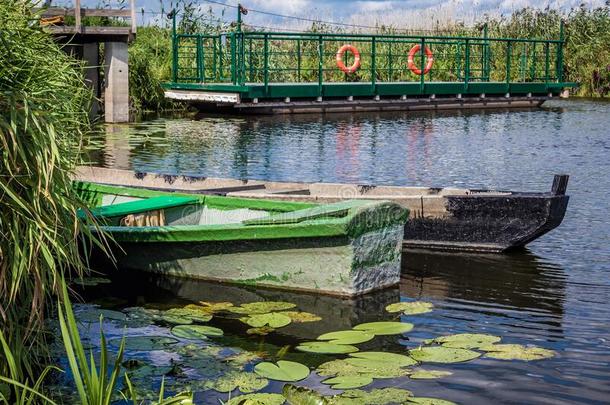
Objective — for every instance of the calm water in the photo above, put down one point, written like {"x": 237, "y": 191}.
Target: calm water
{"x": 556, "y": 294}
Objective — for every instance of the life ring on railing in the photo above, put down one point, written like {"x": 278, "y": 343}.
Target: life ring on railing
{"x": 429, "y": 56}
{"x": 340, "y": 63}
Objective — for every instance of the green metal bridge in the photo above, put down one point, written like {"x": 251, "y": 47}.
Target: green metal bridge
{"x": 271, "y": 71}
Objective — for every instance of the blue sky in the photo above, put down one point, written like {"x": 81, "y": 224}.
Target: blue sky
{"x": 400, "y": 13}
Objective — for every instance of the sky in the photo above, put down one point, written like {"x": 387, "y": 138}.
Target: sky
{"x": 415, "y": 14}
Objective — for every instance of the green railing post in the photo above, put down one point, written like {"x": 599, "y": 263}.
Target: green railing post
{"x": 320, "y": 64}
{"x": 547, "y": 62}
{"x": 559, "y": 63}
{"x": 390, "y": 62}
{"x": 214, "y": 59}
{"x": 422, "y": 65}
{"x": 266, "y": 63}
{"x": 486, "y": 55}
{"x": 250, "y": 64}
{"x": 199, "y": 52}
{"x": 233, "y": 61}
{"x": 174, "y": 48}
{"x": 466, "y": 64}
{"x": 373, "y": 63}
{"x": 220, "y": 58}
{"x": 509, "y": 50}
{"x": 299, "y": 60}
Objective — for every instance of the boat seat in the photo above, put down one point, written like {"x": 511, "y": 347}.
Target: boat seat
{"x": 335, "y": 210}
{"x": 135, "y": 207}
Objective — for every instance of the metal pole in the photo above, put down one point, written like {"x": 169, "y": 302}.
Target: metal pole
{"x": 467, "y": 64}
{"x": 320, "y": 64}
{"x": 547, "y": 63}
{"x": 373, "y": 62}
{"x": 390, "y": 61}
{"x": 559, "y": 64}
{"x": 485, "y": 53}
{"x": 233, "y": 61}
{"x": 298, "y": 60}
{"x": 199, "y": 53}
{"x": 266, "y": 71}
{"x": 422, "y": 64}
{"x": 174, "y": 48}
{"x": 509, "y": 48}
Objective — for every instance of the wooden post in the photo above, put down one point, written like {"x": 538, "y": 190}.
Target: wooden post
{"x": 560, "y": 184}
{"x": 77, "y": 16}
{"x": 132, "y": 5}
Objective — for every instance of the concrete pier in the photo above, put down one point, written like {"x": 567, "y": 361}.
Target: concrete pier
{"x": 116, "y": 88}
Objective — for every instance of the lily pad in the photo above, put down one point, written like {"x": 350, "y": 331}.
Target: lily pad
{"x": 385, "y": 328}
{"x": 196, "y": 331}
{"x": 410, "y": 308}
{"x": 301, "y": 317}
{"x": 465, "y": 340}
{"x": 397, "y": 360}
{"x": 144, "y": 343}
{"x": 301, "y": 395}
{"x": 362, "y": 367}
{"x": 441, "y": 354}
{"x": 379, "y": 396}
{"x": 429, "y": 374}
{"x": 261, "y": 307}
{"x": 93, "y": 315}
{"x": 257, "y": 399}
{"x": 282, "y": 371}
{"x": 176, "y": 320}
{"x": 517, "y": 352}
{"x": 347, "y": 337}
{"x": 245, "y": 382}
{"x": 326, "y": 348}
{"x": 274, "y": 320}
{"x": 262, "y": 331}
{"x": 348, "y": 382}
{"x": 190, "y": 313}
{"x": 429, "y": 401}
{"x": 212, "y": 307}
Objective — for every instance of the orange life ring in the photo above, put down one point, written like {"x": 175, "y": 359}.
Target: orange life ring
{"x": 429, "y": 56}
{"x": 340, "y": 63}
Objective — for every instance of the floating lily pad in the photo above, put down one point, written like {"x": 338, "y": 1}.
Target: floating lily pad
{"x": 360, "y": 367}
{"x": 92, "y": 281}
{"x": 301, "y": 395}
{"x": 262, "y": 331}
{"x": 410, "y": 308}
{"x": 243, "y": 358}
{"x": 190, "y": 313}
{"x": 429, "y": 374}
{"x": 261, "y": 307}
{"x": 245, "y": 382}
{"x": 465, "y": 340}
{"x": 212, "y": 307}
{"x": 301, "y": 317}
{"x": 196, "y": 331}
{"x": 516, "y": 352}
{"x": 380, "y": 396}
{"x": 385, "y": 328}
{"x": 347, "y": 337}
{"x": 93, "y": 315}
{"x": 397, "y": 360}
{"x": 326, "y": 348}
{"x": 144, "y": 343}
{"x": 430, "y": 401}
{"x": 257, "y": 399}
{"x": 282, "y": 371}
{"x": 176, "y": 320}
{"x": 273, "y": 320}
{"x": 441, "y": 354}
{"x": 348, "y": 382}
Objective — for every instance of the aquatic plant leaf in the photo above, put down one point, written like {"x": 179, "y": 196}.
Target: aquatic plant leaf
{"x": 347, "y": 337}
{"x": 91, "y": 281}
{"x": 243, "y": 358}
{"x": 196, "y": 331}
{"x": 429, "y": 401}
{"x": 93, "y": 315}
{"x": 262, "y": 331}
{"x": 379, "y": 396}
{"x": 410, "y": 308}
{"x": 303, "y": 396}
{"x": 301, "y": 317}
{"x": 397, "y": 360}
{"x": 176, "y": 320}
{"x": 245, "y": 382}
{"x": 429, "y": 374}
{"x": 144, "y": 343}
{"x": 326, "y": 348}
{"x": 385, "y": 328}
{"x": 272, "y": 319}
{"x": 212, "y": 307}
{"x": 442, "y": 354}
{"x": 465, "y": 340}
{"x": 361, "y": 367}
{"x": 348, "y": 382}
{"x": 289, "y": 371}
{"x": 517, "y": 352}
{"x": 261, "y": 307}
{"x": 257, "y": 399}
{"x": 196, "y": 315}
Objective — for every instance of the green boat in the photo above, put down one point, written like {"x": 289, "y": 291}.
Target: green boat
{"x": 346, "y": 248}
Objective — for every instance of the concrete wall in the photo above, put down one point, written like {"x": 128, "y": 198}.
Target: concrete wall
{"x": 116, "y": 98}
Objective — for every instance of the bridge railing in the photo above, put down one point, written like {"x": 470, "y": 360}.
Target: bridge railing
{"x": 267, "y": 58}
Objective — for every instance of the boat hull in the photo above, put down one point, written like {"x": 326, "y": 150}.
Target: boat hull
{"x": 338, "y": 266}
